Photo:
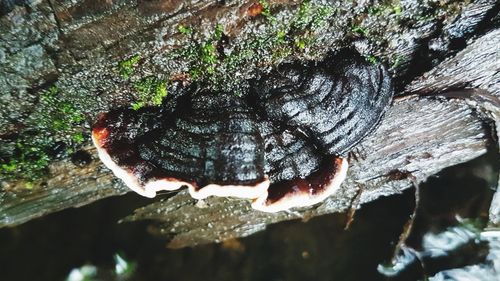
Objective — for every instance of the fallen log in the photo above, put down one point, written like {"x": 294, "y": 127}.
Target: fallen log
{"x": 418, "y": 137}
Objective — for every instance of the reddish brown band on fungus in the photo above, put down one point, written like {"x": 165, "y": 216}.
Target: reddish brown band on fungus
{"x": 304, "y": 192}
{"x": 255, "y": 9}
{"x": 100, "y": 135}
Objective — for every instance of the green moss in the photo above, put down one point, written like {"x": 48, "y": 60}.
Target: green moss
{"x": 28, "y": 185}
{"x": 387, "y": 8}
{"x": 359, "y": 30}
{"x": 372, "y": 59}
{"x": 221, "y": 70}
{"x": 221, "y": 65}
{"x": 127, "y": 67}
{"x": 78, "y": 138}
{"x": 266, "y": 10}
{"x": 397, "y": 9}
{"x": 203, "y": 55}
{"x": 304, "y": 15}
{"x": 219, "y": 31}
{"x": 185, "y": 30}
{"x": 9, "y": 167}
{"x": 59, "y": 114}
{"x": 55, "y": 121}
{"x": 388, "y": 12}
{"x": 311, "y": 15}
{"x": 30, "y": 162}
{"x": 150, "y": 91}
{"x": 322, "y": 14}
{"x": 396, "y": 61}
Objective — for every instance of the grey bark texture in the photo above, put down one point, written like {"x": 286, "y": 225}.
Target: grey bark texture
{"x": 442, "y": 118}
{"x": 474, "y": 76}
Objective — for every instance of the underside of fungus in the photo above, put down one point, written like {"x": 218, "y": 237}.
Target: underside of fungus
{"x": 281, "y": 144}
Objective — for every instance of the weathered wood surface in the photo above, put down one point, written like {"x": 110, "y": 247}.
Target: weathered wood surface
{"x": 477, "y": 66}
{"x": 477, "y": 69}
{"x": 77, "y": 44}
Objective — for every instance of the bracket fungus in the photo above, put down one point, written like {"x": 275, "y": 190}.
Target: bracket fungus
{"x": 282, "y": 144}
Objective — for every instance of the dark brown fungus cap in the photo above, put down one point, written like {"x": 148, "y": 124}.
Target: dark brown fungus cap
{"x": 336, "y": 102}
{"x": 212, "y": 146}
{"x": 280, "y": 144}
